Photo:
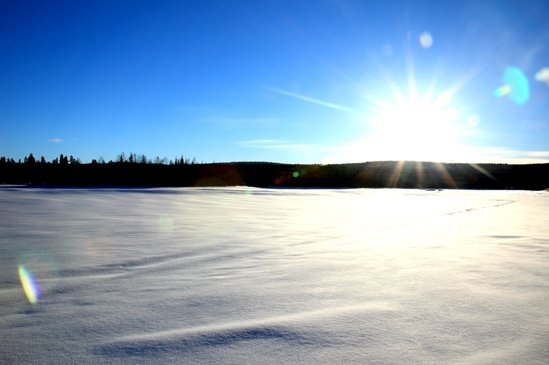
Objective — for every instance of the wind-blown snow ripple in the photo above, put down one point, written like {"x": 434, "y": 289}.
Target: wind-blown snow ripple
{"x": 240, "y": 275}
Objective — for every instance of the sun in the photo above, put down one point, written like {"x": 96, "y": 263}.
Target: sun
{"x": 412, "y": 120}
{"x": 417, "y": 128}
{"x": 433, "y": 126}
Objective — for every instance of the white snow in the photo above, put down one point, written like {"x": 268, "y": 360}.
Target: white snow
{"x": 248, "y": 276}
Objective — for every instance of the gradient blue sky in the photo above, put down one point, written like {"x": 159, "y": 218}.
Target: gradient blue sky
{"x": 287, "y": 81}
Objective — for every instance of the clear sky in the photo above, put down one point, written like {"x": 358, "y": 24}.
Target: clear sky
{"x": 285, "y": 81}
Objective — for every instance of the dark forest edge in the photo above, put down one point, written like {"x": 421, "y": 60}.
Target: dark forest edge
{"x": 138, "y": 170}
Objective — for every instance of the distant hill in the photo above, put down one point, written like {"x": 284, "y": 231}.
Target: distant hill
{"x": 385, "y": 174}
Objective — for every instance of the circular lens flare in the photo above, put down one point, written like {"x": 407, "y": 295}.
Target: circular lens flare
{"x": 426, "y": 40}
{"x": 543, "y": 75}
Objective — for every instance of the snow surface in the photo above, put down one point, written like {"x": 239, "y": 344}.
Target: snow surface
{"x": 246, "y": 276}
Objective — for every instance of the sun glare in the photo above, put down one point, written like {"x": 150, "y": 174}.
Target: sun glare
{"x": 416, "y": 128}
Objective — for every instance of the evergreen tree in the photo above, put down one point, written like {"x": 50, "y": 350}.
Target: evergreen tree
{"x": 30, "y": 160}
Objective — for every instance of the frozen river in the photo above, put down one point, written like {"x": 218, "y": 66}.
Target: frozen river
{"x": 249, "y": 276}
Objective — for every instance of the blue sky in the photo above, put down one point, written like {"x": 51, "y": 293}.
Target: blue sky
{"x": 285, "y": 81}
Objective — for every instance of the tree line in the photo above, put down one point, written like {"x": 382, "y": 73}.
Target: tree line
{"x": 120, "y": 158}
{"x": 31, "y": 160}
{"x": 138, "y": 170}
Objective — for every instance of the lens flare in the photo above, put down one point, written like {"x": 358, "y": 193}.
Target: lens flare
{"x": 502, "y": 91}
{"x": 30, "y": 285}
{"x": 543, "y": 75}
{"x": 515, "y": 86}
{"x": 426, "y": 40}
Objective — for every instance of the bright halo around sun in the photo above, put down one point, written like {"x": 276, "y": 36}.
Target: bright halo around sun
{"x": 417, "y": 128}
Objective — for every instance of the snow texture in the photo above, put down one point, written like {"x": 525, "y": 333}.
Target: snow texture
{"x": 249, "y": 276}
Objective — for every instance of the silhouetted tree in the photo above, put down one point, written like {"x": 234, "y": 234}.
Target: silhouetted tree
{"x": 30, "y": 160}
{"x": 63, "y": 160}
{"x": 74, "y": 161}
{"x": 121, "y": 157}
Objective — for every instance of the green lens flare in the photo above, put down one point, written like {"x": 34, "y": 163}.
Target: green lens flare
{"x": 502, "y": 91}
{"x": 515, "y": 86}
